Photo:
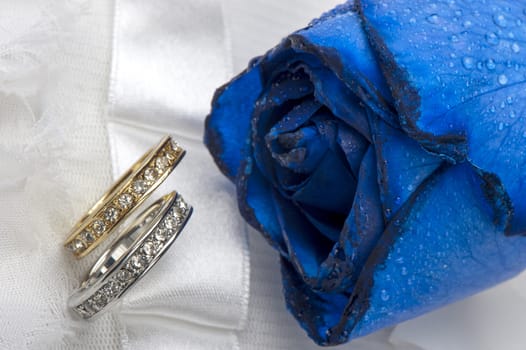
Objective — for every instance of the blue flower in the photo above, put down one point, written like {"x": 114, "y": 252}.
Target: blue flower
{"x": 382, "y": 151}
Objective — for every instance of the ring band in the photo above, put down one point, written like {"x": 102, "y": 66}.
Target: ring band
{"x": 128, "y": 192}
{"x": 131, "y": 256}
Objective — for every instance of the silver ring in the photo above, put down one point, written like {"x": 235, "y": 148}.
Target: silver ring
{"x": 132, "y": 255}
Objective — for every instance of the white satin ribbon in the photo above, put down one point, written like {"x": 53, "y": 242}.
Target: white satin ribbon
{"x": 168, "y": 58}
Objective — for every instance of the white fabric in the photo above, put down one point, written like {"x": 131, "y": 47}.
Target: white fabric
{"x": 55, "y": 161}
{"x": 167, "y": 59}
{"x": 61, "y": 143}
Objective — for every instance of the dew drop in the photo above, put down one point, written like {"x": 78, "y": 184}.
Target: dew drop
{"x": 412, "y": 20}
{"x": 384, "y": 295}
{"x": 468, "y": 62}
{"x": 490, "y": 64}
{"x": 432, "y": 18}
{"x": 492, "y": 38}
{"x": 509, "y": 100}
{"x": 500, "y": 20}
{"x": 503, "y": 79}
{"x": 453, "y": 38}
{"x": 501, "y": 126}
{"x": 467, "y": 24}
{"x": 515, "y": 47}
{"x": 512, "y": 114}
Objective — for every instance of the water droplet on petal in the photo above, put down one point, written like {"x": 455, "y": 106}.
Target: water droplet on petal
{"x": 492, "y": 38}
{"x": 490, "y": 64}
{"x": 412, "y": 20}
{"x": 500, "y": 20}
{"x": 468, "y": 62}
{"x": 467, "y": 24}
{"x": 509, "y": 100}
{"x": 501, "y": 126}
{"x": 432, "y": 18}
{"x": 515, "y": 47}
{"x": 453, "y": 38}
{"x": 384, "y": 295}
{"x": 503, "y": 79}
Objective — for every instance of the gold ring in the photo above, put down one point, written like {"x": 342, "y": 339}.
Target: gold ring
{"x": 128, "y": 192}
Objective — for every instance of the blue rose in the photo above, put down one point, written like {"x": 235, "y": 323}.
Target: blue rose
{"x": 382, "y": 152}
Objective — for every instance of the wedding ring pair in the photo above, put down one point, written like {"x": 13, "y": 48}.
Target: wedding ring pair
{"x": 141, "y": 244}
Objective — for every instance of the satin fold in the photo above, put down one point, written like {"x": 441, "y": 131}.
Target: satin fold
{"x": 168, "y": 57}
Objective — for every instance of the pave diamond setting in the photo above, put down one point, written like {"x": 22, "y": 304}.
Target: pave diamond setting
{"x": 87, "y": 236}
{"x": 111, "y": 214}
{"x": 162, "y": 162}
{"x": 139, "y": 187}
{"x": 76, "y": 245}
{"x": 143, "y": 258}
{"x": 151, "y": 174}
{"x": 149, "y": 249}
{"x": 99, "y": 227}
{"x": 125, "y": 201}
{"x": 132, "y": 193}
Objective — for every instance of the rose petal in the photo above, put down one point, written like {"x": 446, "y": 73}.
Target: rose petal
{"x": 256, "y": 204}
{"x": 402, "y": 165}
{"x": 315, "y": 311}
{"x": 227, "y": 127}
{"x": 328, "y": 223}
{"x": 296, "y": 118}
{"x": 352, "y": 59}
{"x": 343, "y": 103}
{"x": 353, "y": 145}
{"x": 306, "y": 247}
{"x": 293, "y": 145}
{"x": 293, "y": 168}
{"x": 330, "y": 187}
{"x": 283, "y": 95}
{"x": 458, "y": 74}
{"x": 363, "y": 227}
{"x": 443, "y": 245}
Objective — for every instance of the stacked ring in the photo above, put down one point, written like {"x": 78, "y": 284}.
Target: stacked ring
{"x": 128, "y": 192}
{"x": 132, "y": 255}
